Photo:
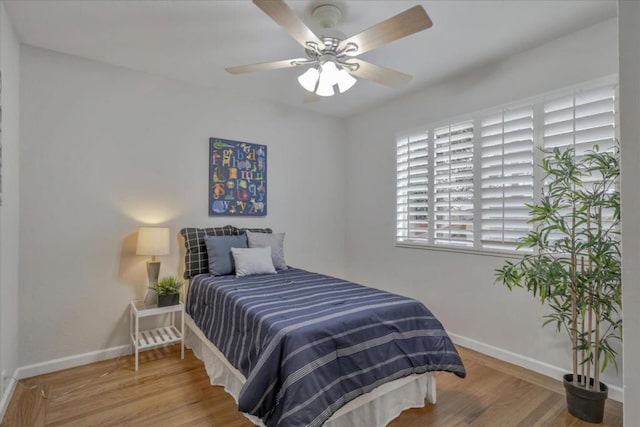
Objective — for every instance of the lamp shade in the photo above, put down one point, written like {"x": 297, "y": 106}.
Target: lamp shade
{"x": 153, "y": 241}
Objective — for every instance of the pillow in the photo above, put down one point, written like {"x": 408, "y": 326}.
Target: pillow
{"x": 219, "y": 252}
{"x": 252, "y": 261}
{"x": 273, "y": 241}
{"x": 196, "y": 260}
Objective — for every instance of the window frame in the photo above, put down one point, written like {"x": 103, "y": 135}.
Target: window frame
{"x": 537, "y": 102}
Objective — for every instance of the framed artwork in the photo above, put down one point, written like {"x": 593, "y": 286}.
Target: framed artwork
{"x": 237, "y": 178}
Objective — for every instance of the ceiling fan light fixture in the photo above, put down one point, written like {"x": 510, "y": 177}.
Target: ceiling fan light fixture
{"x": 309, "y": 79}
{"x": 329, "y": 77}
{"x": 322, "y": 79}
{"x": 345, "y": 81}
{"x": 330, "y": 72}
{"x": 325, "y": 85}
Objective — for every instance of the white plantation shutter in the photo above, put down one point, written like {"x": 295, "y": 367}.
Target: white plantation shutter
{"x": 506, "y": 151}
{"x": 453, "y": 184}
{"x": 412, "y": 168}
{"x": 467, "y": 184}
{"x": 582, "y": 120}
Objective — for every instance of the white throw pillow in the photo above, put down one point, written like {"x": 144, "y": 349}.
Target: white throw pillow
{"x": 252, "y": 261}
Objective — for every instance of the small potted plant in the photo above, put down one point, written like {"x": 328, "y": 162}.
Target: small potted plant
{"x": 168, "y": 290}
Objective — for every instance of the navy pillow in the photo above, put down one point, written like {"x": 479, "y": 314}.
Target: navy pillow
{"x": 219, "y": 253}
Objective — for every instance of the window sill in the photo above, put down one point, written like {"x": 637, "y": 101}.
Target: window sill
{"x": 468, "y": 251}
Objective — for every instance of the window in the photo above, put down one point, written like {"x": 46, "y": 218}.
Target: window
{"x": 467, "y": 184}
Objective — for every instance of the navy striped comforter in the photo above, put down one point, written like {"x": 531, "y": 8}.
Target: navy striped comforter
{"x": 309, "y": 343}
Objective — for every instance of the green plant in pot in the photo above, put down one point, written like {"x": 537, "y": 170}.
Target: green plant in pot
{"x": 575, "y": 267}
{"x": 168, "y": 290}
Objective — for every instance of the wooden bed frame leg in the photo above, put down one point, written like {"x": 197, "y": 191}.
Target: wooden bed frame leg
{"x": 431, "y": 388}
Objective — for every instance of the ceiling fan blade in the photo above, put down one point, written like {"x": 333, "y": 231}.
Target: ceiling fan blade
{"x": 402, "y": 25}
{"x": 284, "y": 16}
{"x": 378, "y": 74}
{"x": 311, "y": 97}
{"x": 264, "y": 66}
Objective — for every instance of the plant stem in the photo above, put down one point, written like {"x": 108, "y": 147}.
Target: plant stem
{"x": 582, "y": 333}
{"x": 590, "y": 302}
{"x": 590, "y": 327}
{"x": 596, "y": 363}
{"x": 574, "y": 308}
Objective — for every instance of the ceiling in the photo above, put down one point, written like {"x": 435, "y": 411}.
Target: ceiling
{"x": 193, "y": 41}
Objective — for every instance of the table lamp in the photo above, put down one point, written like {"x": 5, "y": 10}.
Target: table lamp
{"x": 153, "y": 241}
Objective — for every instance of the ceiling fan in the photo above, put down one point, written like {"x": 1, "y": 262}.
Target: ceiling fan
{"x": 333, "y": 60}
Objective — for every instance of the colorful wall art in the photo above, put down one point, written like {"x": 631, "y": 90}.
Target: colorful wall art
{"x": 237, "y": 178}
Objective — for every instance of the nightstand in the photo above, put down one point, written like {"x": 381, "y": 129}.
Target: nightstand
{"x": 158, "y": 336}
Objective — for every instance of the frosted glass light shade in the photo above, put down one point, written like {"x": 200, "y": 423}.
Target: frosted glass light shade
{"x": 309, "y": 79}
{"x": 325, "y": 77}
{"x": 345, "y": 81}
{"x": 324, "y": 88}
{"x": 153, "y": 241}
{"x": 328, "y": 78}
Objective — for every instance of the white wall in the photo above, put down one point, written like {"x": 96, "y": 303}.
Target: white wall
{"x": 9, "y": 212}
{"x": 105, "y": 150}
{"x": 458, "y": 287}
{"x": 629, "y": 33}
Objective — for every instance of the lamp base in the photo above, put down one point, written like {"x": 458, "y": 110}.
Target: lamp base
{"x": 153, "y": 271}
{"x": 151, "y": 298}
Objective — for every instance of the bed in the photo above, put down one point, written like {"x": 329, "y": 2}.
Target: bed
{"x": 304, "y": 349}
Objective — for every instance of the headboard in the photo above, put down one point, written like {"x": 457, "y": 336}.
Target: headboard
{"x": 196, "y": 260}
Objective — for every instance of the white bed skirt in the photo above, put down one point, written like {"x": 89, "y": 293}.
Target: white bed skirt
{"x": 375, "y": 409}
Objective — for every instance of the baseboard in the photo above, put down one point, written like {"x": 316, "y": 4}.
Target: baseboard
{"x": 71, "y": 361}
{"x": 6, "y": 397}
{"x": 543, "y": 368}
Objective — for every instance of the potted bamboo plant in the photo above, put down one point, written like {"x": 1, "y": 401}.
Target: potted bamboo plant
{"x": 168, "y": 290}
{"x": 574, "y": 267}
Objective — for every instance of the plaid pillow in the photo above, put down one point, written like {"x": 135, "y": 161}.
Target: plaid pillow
{"x": 253, "y": 230}
{"x": 196, "y": 260}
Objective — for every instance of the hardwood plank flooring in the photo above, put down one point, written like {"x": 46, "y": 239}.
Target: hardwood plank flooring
{"x": 167, "y": 391}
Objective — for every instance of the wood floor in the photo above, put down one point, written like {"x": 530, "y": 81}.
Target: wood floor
{"x": 169, "y": 392}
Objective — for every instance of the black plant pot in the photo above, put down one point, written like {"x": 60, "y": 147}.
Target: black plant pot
{"x": 166, "y": 300}
{"x": 583, "y": 403}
